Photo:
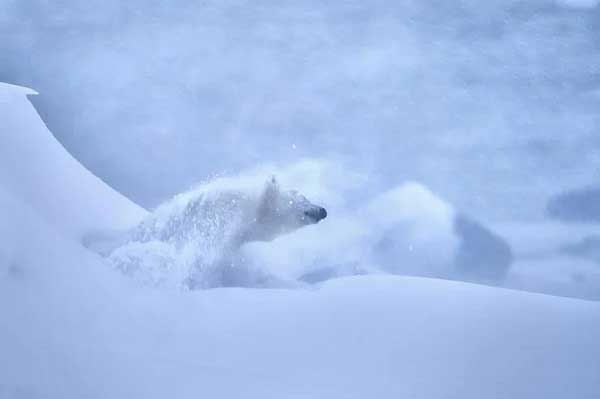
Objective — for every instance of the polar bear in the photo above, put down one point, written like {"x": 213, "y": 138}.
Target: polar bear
{"x": 235, "y": 217}
{"x": 197, "y": 234}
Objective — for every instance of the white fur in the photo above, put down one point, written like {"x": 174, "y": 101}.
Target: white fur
{"x": 199, "y": 232}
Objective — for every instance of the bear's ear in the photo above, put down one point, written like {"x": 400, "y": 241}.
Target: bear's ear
{"x": 268, "y": 200}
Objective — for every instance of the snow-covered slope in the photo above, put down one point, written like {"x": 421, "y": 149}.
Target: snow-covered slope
{"x": 38, "y": 171}
{"x": 72, "y": 328}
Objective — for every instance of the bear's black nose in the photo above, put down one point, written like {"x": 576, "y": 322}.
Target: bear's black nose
{"x": 316, "y": 214}
{"x": 322, "y": 213}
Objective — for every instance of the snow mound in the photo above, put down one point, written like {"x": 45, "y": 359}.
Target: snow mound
{"x": 36, "y": 169}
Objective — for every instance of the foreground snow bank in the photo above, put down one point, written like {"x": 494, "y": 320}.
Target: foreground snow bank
{"x": 71, "y": 329}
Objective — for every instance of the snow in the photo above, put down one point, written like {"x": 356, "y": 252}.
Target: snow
{"x": 580, "y": 4}
{"x": 71, "y": 327}
{"x": 544, "y": 263}
{"x": 38, "y": 171}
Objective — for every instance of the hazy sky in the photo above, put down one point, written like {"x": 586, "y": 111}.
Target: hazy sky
{"x": 494, "y": 105}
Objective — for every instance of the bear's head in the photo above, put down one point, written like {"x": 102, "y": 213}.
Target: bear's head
{"x": 281, "y": 212}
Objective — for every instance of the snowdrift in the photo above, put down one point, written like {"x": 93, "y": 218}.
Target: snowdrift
{"x": 37, "y": 170}
{"x": 70, "y": 327}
